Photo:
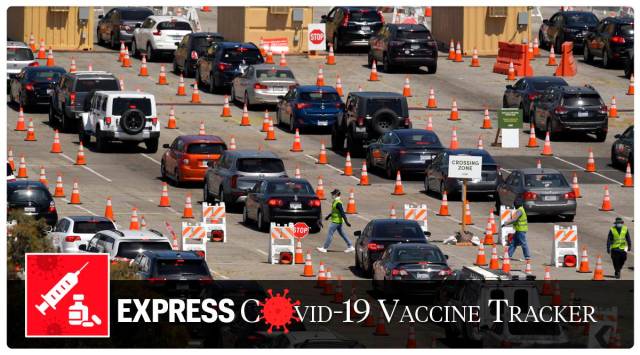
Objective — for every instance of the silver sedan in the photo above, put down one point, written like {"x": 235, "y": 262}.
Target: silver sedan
{"x": 262, "y": 84}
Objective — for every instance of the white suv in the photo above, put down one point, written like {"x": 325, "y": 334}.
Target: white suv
{"x": 126, "y": 244}
{"x": 159, "y": 34}
{"x": 127, "y": 116}
{"x": 73, "y": 231}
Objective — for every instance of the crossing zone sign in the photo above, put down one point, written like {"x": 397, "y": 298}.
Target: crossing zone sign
{"x": 465, "y": 167}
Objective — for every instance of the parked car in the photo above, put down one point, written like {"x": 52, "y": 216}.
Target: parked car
{"x": 126, "y": 116}
{"x": 567, "y": 26}
{"x": 225, "y": 61}
{"x": 230, "y": 179}
{"x": 187, "y": 158}
{"x": 262, "y": 84}
{"x": 610, "y": 40}
{"x": 33, "y": 199}
{"x": 368, "y": 115}
{"x": 73, "y": 231}
{"x": 174, "y": 265}
{"x": 126, "y": 244}
{"x": 193, "y": 46}
{"x": 70, "y": 97}
{"x": 541, "y": 192}
{"x": 118, "y": 24}
{"x": 158, "y": 36}
{"x": 622, "y": 149}
{"x": 34, "y": 85}
{"x": 283, "y": 200}
{"x": 405, "y": 150}
{"x": 350, "y": 26}
{"x": 403, "y": 46}
{"x": 524, "y": 91}
{"x": 410, "y": 269}
{"x": 561, "y": 109}
{"x": 437, "y": 174}
{"x": 309, "y": 106}
{"x": 19, "y": 56}
{"x": 379, "y": 234}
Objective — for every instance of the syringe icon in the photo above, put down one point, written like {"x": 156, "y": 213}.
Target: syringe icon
{"x": 60, "y": 290}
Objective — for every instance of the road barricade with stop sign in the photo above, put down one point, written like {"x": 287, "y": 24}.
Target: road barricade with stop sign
{"x": 281, "y": 243}
{"x": 418, "y": 213}
{"x": 506, "y": 214}
{"x": 565, "y": 246}
{"x": 194, "y": 238}
{"x": 214, "y": 219}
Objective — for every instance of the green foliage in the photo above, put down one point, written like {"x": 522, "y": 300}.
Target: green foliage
{"x": 121, "y": 270}
{"x": 27, "y": 236}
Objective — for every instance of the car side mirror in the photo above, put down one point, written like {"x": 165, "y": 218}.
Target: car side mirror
{"x": 100, "y": 16}
{"x": 446, "y": 256}
{"x": 617, "y": 136}
{"x": 177, "y": 43}
{"x": 509, "y": 87}
{"x": 82, "y": 247}
{"x": 166, "y": 146}
{"x": 357, "y": 233}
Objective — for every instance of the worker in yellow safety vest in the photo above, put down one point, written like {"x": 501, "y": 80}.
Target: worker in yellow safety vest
{"x": 337, "y": 217}
{"x": 618, "y": 244}
{"x": 520, "y": 225}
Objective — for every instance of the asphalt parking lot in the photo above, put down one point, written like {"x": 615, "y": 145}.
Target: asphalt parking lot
{"x": 132, "y": 178}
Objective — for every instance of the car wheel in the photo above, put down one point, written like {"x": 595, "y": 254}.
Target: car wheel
{"x": 357, "y": 262}
{"x": 433, "y": 68}
{"x": 206, "y": 196}
{"x": 390, "y": 170}
{"x": 386, "y": 67}
{"x": 442, "y": 188}
{"x": 114, "y": 41}
{"x": 66, "y": 124}
{"x": 262, "y": 224}
{"x": 176, "y": 71}
{"x": 84, "y": 138}
{"x": 601, "y": 136}
{"x": 152, "y": 145}
{"x": 233, "y": 95}
{"x": 151, "y": 56}
{"x": 426, "y": 184}
{"x": 498, "y": 204}
{"x": 245, "y": 216}
{"x": 99, "y": 37}
{"x": 163, "y": 173}
{"x": 134, "y": 49}
{"x": 336, "y": 43}
{"x": 212, "y": 84}
{"x": 525, "y": 117}
{"x": 246, "y": 99}
{"x": 606, "y": 60}
{"x": 586, "y": 54}
{"x": 614, "y": 158}
{"x": 176, "y": 177}
{"x": 337, "y": 139}
{"x": 292, "y": 125}
{"x": 52, "y": 115}
{"x": 558, "y": 45}
{"x": 370, "y": 165}
{"x": 101, "y": 143}
{"x": 543, "y": 43}
{"x": 549, "y": 129}
{"x": 187, "y": 72}
{"x": 199, "y": 78}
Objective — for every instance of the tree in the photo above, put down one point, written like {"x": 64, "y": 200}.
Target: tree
{"x": 28, "y": 235}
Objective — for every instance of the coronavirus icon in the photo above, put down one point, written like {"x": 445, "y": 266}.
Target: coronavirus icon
{"x": 278, "y": 311}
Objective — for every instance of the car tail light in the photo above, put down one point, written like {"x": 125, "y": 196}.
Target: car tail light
{"x": 28, "y": 87}
{"x": 314, "y": 203}
{"x": 52, "y": 206}
{"x": 157, "y": 280}
{"x": 194, "y": 55}
{"x": 302, "y": 105}
{"x": 339, "y": 105}
{"x": 561, "y": 110}
{"x": 402, "y": 152}
{"x": 224, "y": 66}
{"x": 154, "y": 121}
{"x": 207, "y": 279}
{"x": 375, "y": 246}
{"x": 603, "y": 109}
{"x": 72, "y": 98}
{"x": 360, "y": 121}
{"x": 399, "y": 272}
{"x": 529, "y": 196}
{"x": 217, "y": 235}
{"x": 570, "y": 195}
{"x": 381, "y": 16}
{"x": 107, "y": 120}
{"x": 234, "y": 181}
{"x": 185, "y": 161}
{"x": 445, "y": 272}
{"x": 71, "y": 238}
{"x": 200, "y": 253}
{"x": 617, "y": 39}
{"x": 275, "y": 202}
{"x": 533, "y": 95}
{"x": 407, "y": 122}
{"x": 34, "y": 64}
{"x": 157, "y": 33}
{"x": 345, "y": 20}
{"x": 259, "y": 86}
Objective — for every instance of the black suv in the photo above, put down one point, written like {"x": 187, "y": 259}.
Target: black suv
{"x": 404, "y": 45}
{"x": 570, "y": 108}
{"x": 118, "y": 24}
{"x": 351, "y": 26}
{"x": 566, "y": 26}
{"x": 223, "y": 62}
{"x": 611, "y": 41}
{"x": 33, "y": 198}
{"x": 367, "y": 116}
{"x": 192, "y": 46}
{"x": 69, "y": 97}
{"x": 622, "y": 149}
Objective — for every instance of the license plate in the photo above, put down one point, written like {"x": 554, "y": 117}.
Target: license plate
{"x": 583, "y": 114}
{"x": 425, "y": 157}
{"x": 29, "y": 209}
{"x": 407, "y": 51}
{"x": 323, "y": 123}
{"x": 203, "y": 163}
{"x": 415, "y": 46}
{"x": 182, "y": 286}
{"x": 422, "y": 276}
{"x": 361, "y": 129}
{"x": 550, "y": 198}
{"x": 49, "y": 91}
{"x": 295, "y": 205}
{"x": 366, "y": 28}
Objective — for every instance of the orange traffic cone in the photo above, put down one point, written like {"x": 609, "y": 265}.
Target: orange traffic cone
{"x": 244, "y": 121}
{"x": 511, "y": 75}
{"x": 552, "y": 58}
{"x": 171, "y": 122}
{"x": 486, "y": 121}
{"x": 406, "y": 89}
{"x": 538, "y": 164}
{"x": 143, "y": 67}
{"x": 494, "y": 264}
{"x": 283, "y": 60}
{"x": 481, "y": 259}
{"x": 164, "y": 197}
{"x": 261, "y": 46}
{"x": 411, "y": 338}
{"x": 73, "y": 68}
{"x": 475, "y": 62}
{"x": 492, "y": 220}
{"x": 452, "y": 51}
{"x": 297, "y": 145}
{"x": 429, "y": 123}
{"x": 373, "y": 75}
{"x": 108, "y": 210}
{"x": 444, "y": 205}
{"x": 533, "y": 141}
{"x": 50, "y": 61}
{"x": 126, "y": 62}
{"x": 265, "y": 121}
{"x": 269, "y": 59}
{"x": 43, "y": 176}
{"x": 628, "y": 177}
{"x": 527, "y": 267}
{"x": 380, "y": 326}
{"x": 80, "y": 159}
{"x": 20, "y": 124}
{"x": 453, "y": 115}
{"x": 467, "y": 213}
{"x": 348, "y": 168}
{"x": 598, "y": 273}
{"x": 271, "y": 134}
{"x": 320, "y": 77}
{"x": 488, "y": 234}
{"x": 298, "y": 255}
{"x": 536, "y": 47}
{"x": 31, "y": 133}
{"x": 122, "y": 52}
{"x": 32, "y": 42}
{"x": 75, "y": 194}
{"x": 584, "y": 262}
{"x": 59, "y": 191}
{"x": 322, "y": 158}
{"x": 506, "y": 261}
{"x": 575, "y": 187}
{"x": 480, "y": 143}
{"x": 458, "y": 58}
{"x": 195, "y": 94}
{"x": 187, "y": 212}
{"x": 530, "y": 51}
{"x": 364, "y": 175}
{"x": 546, "y": 150}
{"x": 431, "y": 102}
{"x": 398, "y": 189}
{"x": 631, "y": 90}
{"x": 331, "y": 58}
{"x": 546, "y": 285}
{"x": 591, "y": 163}
{"x": 10, "y": 159}
{"x": 351, "y": 205}
{"x": 201, "y": 130}
{"x": 613, "y": 109}
{"x": 454, "y": 139}
{"x": 308, "y": 266}
{"x": 22, "y": 169}
{"x": 322, "y": 276}
{"x": 606, "y": 201}
{"x": 42, "y": 51}
{"x": 162, "y": 77}
{"x": 339, "y": 85}
{"x": 226, "y": 110}
{"x": 56, "y": 147}
{"x": 320, "y": 189}
{"x": 143, "y": 225}
{"x": 392, "y": 212}
{"x": 232, "y": 144}
{"x": 182, "y": 91}
{"x": 134, "y": 224}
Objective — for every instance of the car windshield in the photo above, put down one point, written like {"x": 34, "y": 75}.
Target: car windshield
{"x": 86, "y": 85}
{"x": 237, "y": 55}
{"x": 19, "y": 54}
{"x": 180, "y": 267}
{"x": 533, "y": 328}
{"x": 42, "y": 76}
{"x": 135, "y": 15}
{"x": 201, "y": 44}
{"x": 319, "y": 96}
{"x": 26, "y": 195}
{"x": 174, "y": 26}
{"x": 397, "y": 230}
{"x": 419, "y": 34}
{"x": 122, "y": 104}
{"x": 290, "y": 188}
{"x": 420, "y": 139}
{"x": 364, "y": 15}
{"x": 130, "y": 249}
{"x": 582, "y": 19}
{"x": 260, "y": 165}
{"x": 545, "y": 181}
{"x": 542, "y": 85}
{"x": 416, "y": 255}
{"x": 91, "y": 227}
{"x": 273, "y": 74}
{"x": 205, "y": 148}
{"x": 626, "y": 30}
{"x": 380, "y": 103}
{"x": 581, "y": 100}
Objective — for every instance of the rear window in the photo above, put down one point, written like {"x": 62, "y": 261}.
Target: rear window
{"x": 86, "y": 85}
{"x": 174, "y": 26}
{"x": 542, "y": 85}
{"x": 545, "y": 181}
{"x": 122, "y": 104}
{"x": 420, "y": 34}
{"x": 19, "y": 54}
{"x": 130, "y": 250}
{"x": 202, "y": 43}
{"x": 363, "y": 15}
{"x": 397, "y": 231}
{"x": 290, "y": 187}
{"x": 319, "y": 96}
{"x": 582, "y": 19}
{"x": 41, "y": 76}
{"x": 260, "y": 165}
{"x": 135, "y": 15}
{"x": 420, "y": 139}
{"x": 380, "y": 103}
{"x": 237, "y": 55}
{"x": 274, "y": 74}
{"x": 626, "y": 30}
{"x": 205, "y": 148}
{"x": 26, "y": 195}
{"x": 417, "y": 255}
{"x": 181, "y": 267}
{"x": 581, "y": 100}
{"x": 91, "y": 227}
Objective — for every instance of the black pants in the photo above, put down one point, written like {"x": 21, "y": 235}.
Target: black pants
{"x": 618, "y": 257}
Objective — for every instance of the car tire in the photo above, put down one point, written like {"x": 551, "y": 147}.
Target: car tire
{"x": 212, "y": 84}
{"x": 369, "y": 60}
{"x": 176, "y": 177}
{"x": 151, "y": 55}
{"x": 233, "y": 97}
{"x": 292, "y": 124}
{"x": 66, "y": 125}
{"x": 386, "y": 66}
{"x": 199, "y": 78}
{"x": 245, "y": 216}
{"x": 52, "y": 115}
{"x": 101, "y": 142}
{"x": 336, "y": 43}
{"x": 176, "y": 71}
{"x": 498, "y": 204}
{"x": 586, "y": 54}
{"x": 100, "y": 41}
{"x": 135, "y": 52}
{"x": 390, "y": 170}
{"x": 525, "y": 116}
{"x": 337, "y": 139}
{"x": 84, "y": 138}
{"x": 569, "y": 217}
{"x": 353, "y": 147}
{"x": 558, "y": 45}
{"x": 113, "y": 41}
{"x": 315, "y": 227}
{"x": 601, "y": 136}
{"x": 543, "y": 43}
{"x": 426, "y": 184}
{"x": 432, "y": 69}
{"x": 152, "y": 145}
{"x": 262, "y": 225}
{"x": 163, "y": 172}
{"x": 206, "y": 195}
{"x": 549, "y": 129}
{"x": 370, "y": 165}
{"x": 606, "y": 60}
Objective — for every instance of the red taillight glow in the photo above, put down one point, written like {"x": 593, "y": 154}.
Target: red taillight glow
{"x": 34, "y": 64}
{"x": 570, "y": 195}
{"x": 28, "y": 87}
{"x": 234, "y": 181}
{"x": 302, "y": 105}
{"x": 407, "y": 122}
{"x": 157, "y": 33}
{"x": 52, "y": 206}
{"x": 205, "y": 280}
{"x": 72, "y": 98}
{"x": 71, "y": 238}
{"x": 157, "y": 280}
{"x": 529, "y": 196}
{"x": 200, "y": 253}
{"x": 603, "y": 109}
{"x": 360, "y": 121}
{"x": 275, "y": 202}
{"x": 107, "y": 120}
{"x": 399, "y": 272}
{"x": 223, "y": 66}
{"x": 445, "y": 272}
{"x": 402, "y": 152}
{"x": 314, "y": 203}
{"x": 194, "y": 55}
{"x": 533, "y": 95}
{"x": 617, "y": 39}
{"x": 259, "y": 86}
{"x": 154, "y": 121}
{"x": 561, "y": 110}
{"x": 374, "y": 246}
{"x": 345, "y": 20}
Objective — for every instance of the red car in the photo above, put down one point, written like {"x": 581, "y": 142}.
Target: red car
{"x": 187, "y": 158}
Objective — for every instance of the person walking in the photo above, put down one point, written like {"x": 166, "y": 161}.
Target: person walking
{"x": 520, "y": 225}
{"x": 337, "y": 218}
{"x": 618, "y": 244}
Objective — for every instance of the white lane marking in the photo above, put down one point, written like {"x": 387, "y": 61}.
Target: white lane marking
{"x": 596, "y": 173}
{"x": 332, "y": 167}
{"x": 150, "y": 158}
{"x": 80, "y": 207}
{"x": 618, "y": 215}
{"x": 218, "y": 274}
{"x": 261, "y": 251}
{"x": 86, "y": 168}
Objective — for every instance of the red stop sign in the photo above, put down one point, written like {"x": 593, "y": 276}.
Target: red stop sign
{"x": 316, "y": 36}
{"x": 300, "y": 230}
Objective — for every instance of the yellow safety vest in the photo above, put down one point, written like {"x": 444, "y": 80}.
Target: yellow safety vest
{"x": 520, "y": 225}
{"x": 619, "y": 239}
{"x": 336, "y": 217}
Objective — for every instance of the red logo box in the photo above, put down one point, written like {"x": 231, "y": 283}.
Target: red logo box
{"x": 67, "y": 295}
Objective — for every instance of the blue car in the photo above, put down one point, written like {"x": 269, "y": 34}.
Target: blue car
{"x": 309, "y": 106}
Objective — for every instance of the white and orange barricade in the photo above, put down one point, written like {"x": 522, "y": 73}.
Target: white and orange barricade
{"x": 194, "y": 238}
{"x": 565, "y": 246}
{"x": 214, "y": 220}
{"x": 418, "y": 213}
{"x": 282, "y": 244}
{"x": 506, "y": 213}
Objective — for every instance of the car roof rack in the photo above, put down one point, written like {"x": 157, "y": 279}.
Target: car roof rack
{"x": 156, "y": 232}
